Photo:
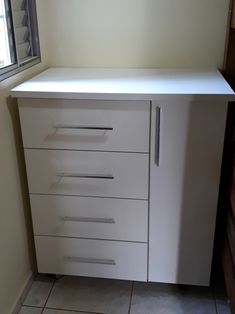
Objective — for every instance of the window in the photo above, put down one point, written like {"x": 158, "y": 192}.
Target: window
{"x": 19, "y": 44}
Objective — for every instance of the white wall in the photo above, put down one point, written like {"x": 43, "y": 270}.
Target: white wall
{"x": 136, "y": 33}
{"x": 16, "y": 257}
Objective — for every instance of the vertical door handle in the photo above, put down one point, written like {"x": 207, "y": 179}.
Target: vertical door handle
{"x": 157, "y": 136}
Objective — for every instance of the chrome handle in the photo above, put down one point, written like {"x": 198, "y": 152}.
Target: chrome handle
{"x": 85, "y": 176}
{"x": 83, "y": 127}
{"x": 157, "y": 136}
{"x": 89, "y": 260}
{"x": 88, "y": 219}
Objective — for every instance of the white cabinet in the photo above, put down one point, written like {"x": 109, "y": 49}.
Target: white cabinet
{"x": 93, "y": 258}
{"x": 90, "y": 217}
{"x": 186, "y": 151}
{"x": 87, "y": 167}
{"x": 102, "y": 125}
{"x": 123, "y": 169}
{"x": 104, "y": 174}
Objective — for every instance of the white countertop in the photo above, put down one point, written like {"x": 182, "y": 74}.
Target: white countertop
{"x": 142, "y": 84}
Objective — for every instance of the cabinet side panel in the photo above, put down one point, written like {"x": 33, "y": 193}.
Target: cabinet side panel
{"x": 184, "y": 190}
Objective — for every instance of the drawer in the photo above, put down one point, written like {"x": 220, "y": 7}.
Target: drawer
{"x": 93, "y": 258}
{"x": 101, "y": 218}
{"x": 123, "y": 175}
{"x": 85, "y": 124}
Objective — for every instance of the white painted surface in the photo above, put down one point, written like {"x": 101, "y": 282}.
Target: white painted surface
{"x": 59, "y": 216}
{"x": 146, "y": 84}
{"x": 184, "y": 190}
{"x": 130, "y": 172}
{"x": 59, "y": 255}
{"x": 129, "y": 120}
{"x": 135, "y": 33}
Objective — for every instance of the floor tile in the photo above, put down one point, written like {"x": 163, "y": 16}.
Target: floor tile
{"x": 50, "y": 311}
{"x": 91, "y": 295}
{"x": 30, "y": 310}
{"x": 222, "y": 307}
{"x": 39, "y": 292}
{"x": 221, "y": 298}
{"x": 149, "y": 298}
{"x": 26, "y": 289}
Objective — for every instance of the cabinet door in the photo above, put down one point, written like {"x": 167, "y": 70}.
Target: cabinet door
{"x": 186, "y": 153}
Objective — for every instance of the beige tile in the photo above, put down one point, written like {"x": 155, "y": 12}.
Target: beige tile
{"x": 91, "y": 295}
{"x": 149, "y": 298}
{"x": 39, "y": 292}
{"x": 50, "y": 311}
{"x": 26, "y": 289}
{"x": 222, "y": 307}
{"x": 221, "y": 298}
{"x": 30, "y": 310}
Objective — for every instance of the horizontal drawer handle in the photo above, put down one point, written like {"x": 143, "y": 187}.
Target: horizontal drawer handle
{"x": 88, "y": 219}
{"x": 89, "y": 260}
{"x": 83, "y": 127}
{"x": 85, "y": 176}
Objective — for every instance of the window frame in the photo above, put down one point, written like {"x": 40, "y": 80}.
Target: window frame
{"x": 12, "y": 69}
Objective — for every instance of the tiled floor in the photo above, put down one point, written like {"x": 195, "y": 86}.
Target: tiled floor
{"x": 71, "y": 295}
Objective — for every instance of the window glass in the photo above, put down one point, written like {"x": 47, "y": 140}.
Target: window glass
{"x": 19, "y": 44}
{"x": 5, "y": 53}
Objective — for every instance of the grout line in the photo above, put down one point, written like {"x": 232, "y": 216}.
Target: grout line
{"x": 132, "y": 288}
{"x": 34, "y": 306}
{"x": 68, "y": 310}
{"x": 74, "y": 311}
{"x": 23, "y": 295}
{"x": 214, "y": 298}
{"x": 215, "y": 302}
{"x": 49, "y": 294}
{"x": 27, "y": 288}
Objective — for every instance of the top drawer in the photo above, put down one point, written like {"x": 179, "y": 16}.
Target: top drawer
{"x": 85, "y": 124}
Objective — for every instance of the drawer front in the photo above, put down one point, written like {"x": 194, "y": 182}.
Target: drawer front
{"x": 105, "y": 174}
{"x": 85, "y": 124}
{"x": 100, "y": 218}
{"x": 93, "y": 258}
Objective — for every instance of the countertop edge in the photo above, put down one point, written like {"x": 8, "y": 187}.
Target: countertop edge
{"x": 115, "y": 96}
